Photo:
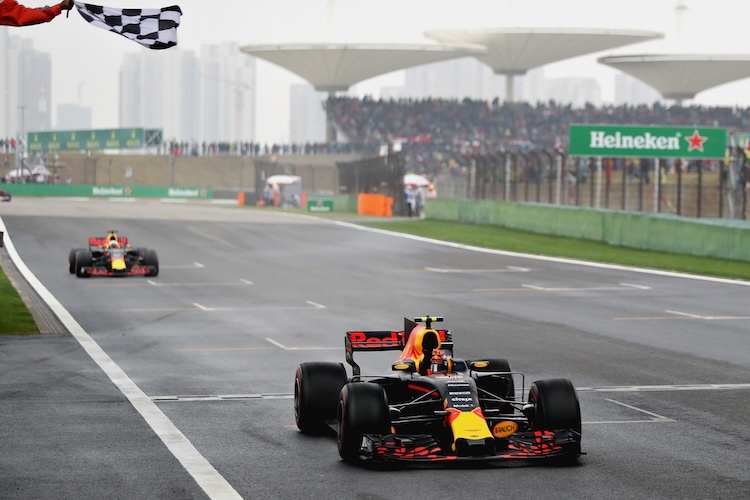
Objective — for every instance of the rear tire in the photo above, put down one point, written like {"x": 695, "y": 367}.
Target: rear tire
{"x": 363, "y": 409}
{"x": 316, "y": 391}
{"x": 83, "y": 260}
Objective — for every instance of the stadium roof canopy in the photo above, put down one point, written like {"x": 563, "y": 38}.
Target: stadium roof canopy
{"x": 514, "y": 51}
{"x": 682, "y": 76}
{"x": 334, "y": 67}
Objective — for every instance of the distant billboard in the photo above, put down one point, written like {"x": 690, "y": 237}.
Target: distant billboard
{"x": 647, "y": 142}
{"x": 90, "y": 140}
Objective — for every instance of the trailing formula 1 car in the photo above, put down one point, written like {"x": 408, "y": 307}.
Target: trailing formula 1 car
{"x": 434, "y": 408}
{"x": 112, "y": 256}
{"x": 5, "y": 195}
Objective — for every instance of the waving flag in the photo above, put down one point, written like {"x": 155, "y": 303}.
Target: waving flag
{"x": 152, "y": 28}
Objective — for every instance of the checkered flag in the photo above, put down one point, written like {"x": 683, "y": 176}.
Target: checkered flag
{"x": 152, "y": 28}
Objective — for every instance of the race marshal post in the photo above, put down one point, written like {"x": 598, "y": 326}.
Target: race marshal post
{"x": 609, "y": 141}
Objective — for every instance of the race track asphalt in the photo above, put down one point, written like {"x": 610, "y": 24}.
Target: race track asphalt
{"x": 180, "y": 386}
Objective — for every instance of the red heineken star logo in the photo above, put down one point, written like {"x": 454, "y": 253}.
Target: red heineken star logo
{"x": 696, "y": 141}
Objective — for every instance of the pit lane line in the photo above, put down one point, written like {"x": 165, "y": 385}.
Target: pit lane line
{"x": 195, "y": 464}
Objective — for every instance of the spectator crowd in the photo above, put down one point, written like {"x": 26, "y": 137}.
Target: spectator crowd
{"x": 436, "y": 135}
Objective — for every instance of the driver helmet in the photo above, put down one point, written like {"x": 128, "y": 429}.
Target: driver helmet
{"x": 438, "y": 362}
{"x": 114, "y": 244}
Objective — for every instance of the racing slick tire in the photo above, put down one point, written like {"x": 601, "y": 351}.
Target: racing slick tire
{"x": 556, "y": 405}
{"x": 499, "y": 385}
{"x": 151, "y": 260}
{"x": 316, "y": 393}
{"x": 362, "y": 409}
{"x": 83, "y": 260}
{"x": 72, "y": 259}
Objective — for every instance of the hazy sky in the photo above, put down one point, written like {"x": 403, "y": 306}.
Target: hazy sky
{"x": 86, "y": 60}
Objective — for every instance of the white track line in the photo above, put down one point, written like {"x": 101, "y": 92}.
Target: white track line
{"x": 492, "y": 251}
{"x": 655, "y": 416}
{"x": 280, "y": 346}
{"x": 183, "y": 450}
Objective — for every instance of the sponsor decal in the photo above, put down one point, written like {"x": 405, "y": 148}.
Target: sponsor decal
{"x": 504, "y": 429}
{"x": 107, "y": 191}
{"x": 183, "y": 193}
{"x": 618, "y": 140}
{"x": 480, "y": 364}
{"x": 401, "y": 366}
{"x": 390, "y": 338}
{"x": 696, "y": 141}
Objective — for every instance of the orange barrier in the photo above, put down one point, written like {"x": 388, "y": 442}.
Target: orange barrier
{"x": 374, "y": 204}
{"x": 241, "y": 199}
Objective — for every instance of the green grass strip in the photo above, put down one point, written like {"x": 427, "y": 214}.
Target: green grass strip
{"x": 500, "y": 238}
{"x": 15, "y": 318}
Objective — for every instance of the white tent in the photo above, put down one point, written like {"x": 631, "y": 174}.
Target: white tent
{"x": 284, "y": 180}
{"x": 416, "y": 180}
{"x": 18, "y": 172}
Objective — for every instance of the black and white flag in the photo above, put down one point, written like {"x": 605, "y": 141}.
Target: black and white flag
{"x": 152, "y": 28}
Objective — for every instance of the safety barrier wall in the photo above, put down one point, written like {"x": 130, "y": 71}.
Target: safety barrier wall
{"x": 77, "y": 190}
{"x": 344, "y": 203}
{"x": 725, "y": 239}
{"x": 374, "y": 204}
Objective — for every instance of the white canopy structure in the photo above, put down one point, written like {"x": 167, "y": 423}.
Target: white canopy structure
{"x": 334, "y": 67}
{"x": 682, "y": 76}
{"x": 514, "y": 51}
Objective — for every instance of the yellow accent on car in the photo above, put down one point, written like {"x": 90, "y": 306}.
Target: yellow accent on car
{"x": 469, "y": 425}
{"x": 118, "y": 265}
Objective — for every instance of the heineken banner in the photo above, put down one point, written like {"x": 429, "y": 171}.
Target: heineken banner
{"x": 87, "y": 191}
{"x": 647, "y": 142}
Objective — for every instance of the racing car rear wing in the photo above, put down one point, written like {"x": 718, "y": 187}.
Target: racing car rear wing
{"x": 384, "y": 340}
{"x": 101, "y": 242}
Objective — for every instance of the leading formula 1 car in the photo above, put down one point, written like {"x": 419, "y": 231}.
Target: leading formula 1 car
{"x": 434, "y": 408}
{"x": 112, "y": 256}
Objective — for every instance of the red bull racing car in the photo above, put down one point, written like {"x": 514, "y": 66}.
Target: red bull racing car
{"x": 434, "y": 408}
{"x": 112, "y": 256}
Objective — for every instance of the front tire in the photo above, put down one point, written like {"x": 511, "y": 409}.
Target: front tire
{"x": 72, "y": 259}
{"x": 557, "y": 405}
{"x": 316, "y": 391}
{"x": 363, "y": 409}
{"x": 83, "y": 260}
{"x": 151, "y": 260}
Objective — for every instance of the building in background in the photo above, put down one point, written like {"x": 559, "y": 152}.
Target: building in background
{"x": 631, "y": 91}
{"x": 576, "y": 91}
{"x": 465, "y": 77}
{"x": 25, "y": 86}
{"x": 307, "y": 116}
{"x": 73, "y": 117}
{"x": 161, "y": 90}
{"x": 228, "y": 82}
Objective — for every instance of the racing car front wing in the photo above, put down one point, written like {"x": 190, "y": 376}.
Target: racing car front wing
{"x": 425, "y": 448}
{"x": 103, "y": 271}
